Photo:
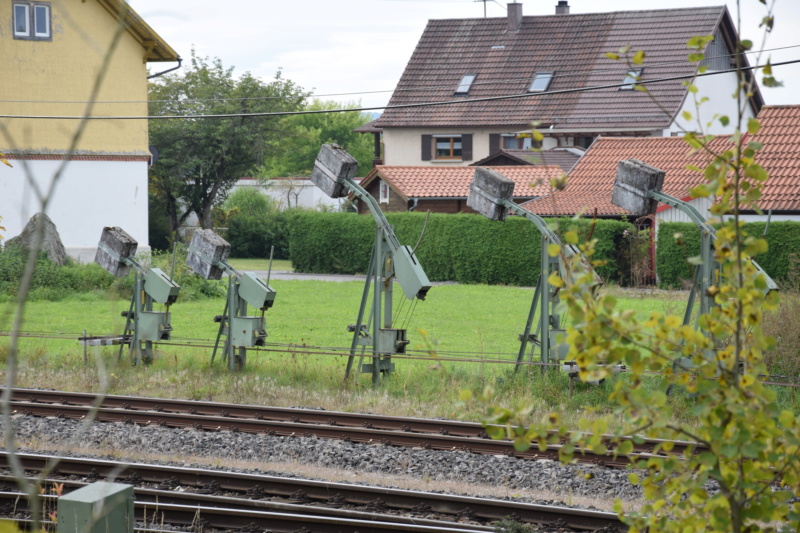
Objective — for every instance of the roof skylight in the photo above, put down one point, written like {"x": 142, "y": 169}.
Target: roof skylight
{"x": 631, "y": 77}
{"x": 541, "y": 81}
{"x": 465, "y": 83}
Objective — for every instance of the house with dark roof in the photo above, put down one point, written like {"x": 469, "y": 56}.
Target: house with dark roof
{"x": 590, "y": 183}
{"x": 445, "y": 189}
{"x": 562, "y": 157}
{"x": 476, "y": 86}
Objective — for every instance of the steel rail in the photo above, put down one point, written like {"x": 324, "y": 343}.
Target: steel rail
{"x": 379, "y": 498}
{"x": 283, "y": 421}
{"x": 233, "y": 518}
{"x": 148, "y": 496}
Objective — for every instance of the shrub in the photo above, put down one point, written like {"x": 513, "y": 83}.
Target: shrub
{"x": 672, "y": 255}
{"x": 465, "y": 248}
{"x": 254, "y": 225}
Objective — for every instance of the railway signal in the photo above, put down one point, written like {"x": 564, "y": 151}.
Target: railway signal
{"x": 143, "y": 326}
{"x": 333, "y": 172}
{"x": 637, "y": 188}
{"x": 490, "y": 195}
{"x": 208, "y": 254}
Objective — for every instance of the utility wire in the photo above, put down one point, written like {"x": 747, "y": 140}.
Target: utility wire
{"x": 476, "y": 83}
{"x": 405, "y": 106}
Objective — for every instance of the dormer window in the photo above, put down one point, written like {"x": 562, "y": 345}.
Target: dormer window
{"x": 32, "y": 21}
{"x": 541, "y": 81}
{"x": 465, "y": 84}
{"x": 631, "y": 77}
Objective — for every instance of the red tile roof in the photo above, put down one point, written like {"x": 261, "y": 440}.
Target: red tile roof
{"x": 573, "y": 46}
{"x": 453, "y": 182}
{"x": 590, "y": 183}
{"x": 780, "y": 156}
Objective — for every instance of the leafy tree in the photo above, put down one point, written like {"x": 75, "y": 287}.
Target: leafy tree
{"x": 306, "y": 133}
{"x": 743, "y": 473}
{"x": 201, "y": 159}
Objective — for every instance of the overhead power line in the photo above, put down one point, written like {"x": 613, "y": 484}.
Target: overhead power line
{"x": 476, "y": 83}
{"x": 405, "y": 106}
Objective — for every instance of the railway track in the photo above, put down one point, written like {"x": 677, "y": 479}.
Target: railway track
{"x": 355, "y": 427}
{"x": 232, "y": 500}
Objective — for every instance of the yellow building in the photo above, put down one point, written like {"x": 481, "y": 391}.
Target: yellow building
{"x": 57, "y": 56}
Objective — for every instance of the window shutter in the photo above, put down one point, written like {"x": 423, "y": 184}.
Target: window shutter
{"x": 494, "y": 143}
{"x": 466, "y": 146}
{"x": 427, "y": 144}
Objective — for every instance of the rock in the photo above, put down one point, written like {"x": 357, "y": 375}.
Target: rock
{"x": 51, "y": 241}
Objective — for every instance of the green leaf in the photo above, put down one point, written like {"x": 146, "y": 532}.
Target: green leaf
{"x": 521, "y": 444}
{"x": 753, "y": 126}
{"x": 724, "y": 120}
{"x": 638, "y": 57}
{"x": 756, "y": 172}
{"x": 625, "y": 447}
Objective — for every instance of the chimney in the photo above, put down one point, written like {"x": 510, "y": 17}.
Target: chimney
{"x": 562, "y": 8}
{"x": 514, "y": 16}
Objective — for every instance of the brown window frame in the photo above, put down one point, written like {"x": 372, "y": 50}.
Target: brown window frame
{"x": 451, "y": 157}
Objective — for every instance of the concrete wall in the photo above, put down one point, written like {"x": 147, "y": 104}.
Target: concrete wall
{"x": 89, "y": 196}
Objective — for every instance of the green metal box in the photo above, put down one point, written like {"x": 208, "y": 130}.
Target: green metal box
{"x": 160, "y": 288}
{"x": 558, "y": 350}
{"x": 97, "y": 508}
{"x": 255, "y": 292}
{"x": 153, "y": 326}
{"x": 410, "y": 274}
{"x": 247, "y": 330}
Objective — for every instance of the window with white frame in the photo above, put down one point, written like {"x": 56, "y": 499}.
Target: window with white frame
{"x": 632, "y": 76}
{"x": 540, "y": 82}
{"x": 32, "y": 21}
{"x": 384, "y": 193}
{"x": 465, "y": 84}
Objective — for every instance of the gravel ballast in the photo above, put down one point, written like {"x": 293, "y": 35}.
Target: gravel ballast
{"x": 459, "y": 466}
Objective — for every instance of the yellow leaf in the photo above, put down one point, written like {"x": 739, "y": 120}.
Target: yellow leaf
{"x": 8, "y": 526}
{"x": 571, "y": 237}
{"x": 555, "y": 280}
{"x": 638, "y": 57}
{"x": 553, "y": 250}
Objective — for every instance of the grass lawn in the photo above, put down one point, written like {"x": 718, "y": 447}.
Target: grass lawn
{"x": 260, "y": 264}
{"x": 482, "y": 320}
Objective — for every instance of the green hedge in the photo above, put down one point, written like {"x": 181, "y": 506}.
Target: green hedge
{"x": 463, "y": 248}
{"x": 674, "y": 270}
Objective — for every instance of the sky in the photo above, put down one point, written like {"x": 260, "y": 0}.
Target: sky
{"x": 339, "y": 48}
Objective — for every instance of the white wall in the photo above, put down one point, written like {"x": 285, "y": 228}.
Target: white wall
{"x": 720, "y": 90}
{"x": 305, "y": 193}
{"x": 89, "y": 196}
{"x": 676, "y": 215}
{"x": 403, "y": 146}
